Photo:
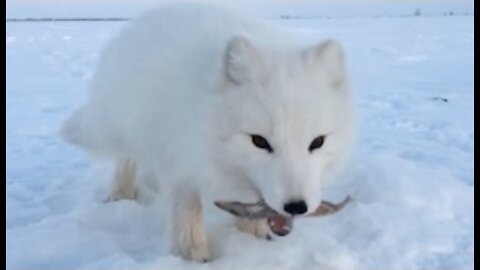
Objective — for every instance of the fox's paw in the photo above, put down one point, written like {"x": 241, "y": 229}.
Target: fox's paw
{"x": 124, "y": 181}
{"x": 125, "y": 193}
{"x": 193, "y": 247}
{"x": 199, "y": 253}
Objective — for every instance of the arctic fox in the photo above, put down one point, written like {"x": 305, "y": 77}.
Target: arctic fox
{"x": 206, "y": 98}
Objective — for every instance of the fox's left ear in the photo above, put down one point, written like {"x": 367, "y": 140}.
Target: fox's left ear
{"x": 328, "y": 58}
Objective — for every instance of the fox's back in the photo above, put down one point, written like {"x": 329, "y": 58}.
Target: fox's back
{"x": 156, "y": 80}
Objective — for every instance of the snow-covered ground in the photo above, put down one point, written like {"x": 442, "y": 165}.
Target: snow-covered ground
{"x": 411, "y": 175}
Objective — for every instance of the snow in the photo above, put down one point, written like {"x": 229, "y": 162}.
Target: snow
{"x": 411, "y": 175}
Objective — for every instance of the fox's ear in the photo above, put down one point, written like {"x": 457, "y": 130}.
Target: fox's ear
{"x": 329, "y": 58}
{"x": 242, "y": 63}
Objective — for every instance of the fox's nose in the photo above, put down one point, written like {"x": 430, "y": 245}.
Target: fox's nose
{"x": 295, "y": 207}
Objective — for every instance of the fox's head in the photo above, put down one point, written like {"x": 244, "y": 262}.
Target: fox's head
{"x": 285, "y": 120}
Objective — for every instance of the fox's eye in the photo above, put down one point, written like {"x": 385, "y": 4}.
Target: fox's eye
{"x": 261, "y": 142}
{"x": 317, "y": 143}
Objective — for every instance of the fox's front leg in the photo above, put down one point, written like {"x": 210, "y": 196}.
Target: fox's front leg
{"x": 187, "y": 231}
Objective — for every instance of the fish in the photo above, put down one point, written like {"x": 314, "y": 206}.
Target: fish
{"x": 279, "y": 224}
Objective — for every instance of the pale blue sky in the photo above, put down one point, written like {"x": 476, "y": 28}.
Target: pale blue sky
{"x": 129, "y": 8}
{"x": 237, "y": 1}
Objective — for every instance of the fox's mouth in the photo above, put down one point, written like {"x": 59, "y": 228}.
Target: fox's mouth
{"x": 279, "y": 224}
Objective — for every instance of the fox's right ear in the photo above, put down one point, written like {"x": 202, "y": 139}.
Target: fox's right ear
{"x": 242, "y": 62}
{"x": 329, "y": 59}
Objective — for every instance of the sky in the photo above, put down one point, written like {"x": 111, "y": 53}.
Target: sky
{"x": 238, "y": 1}
{"x": 129, "y": 8}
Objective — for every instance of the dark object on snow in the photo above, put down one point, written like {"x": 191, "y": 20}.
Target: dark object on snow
{"x": 440, "y": 99}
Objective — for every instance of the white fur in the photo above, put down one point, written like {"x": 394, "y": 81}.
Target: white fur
{"x": 180, "y": 89}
